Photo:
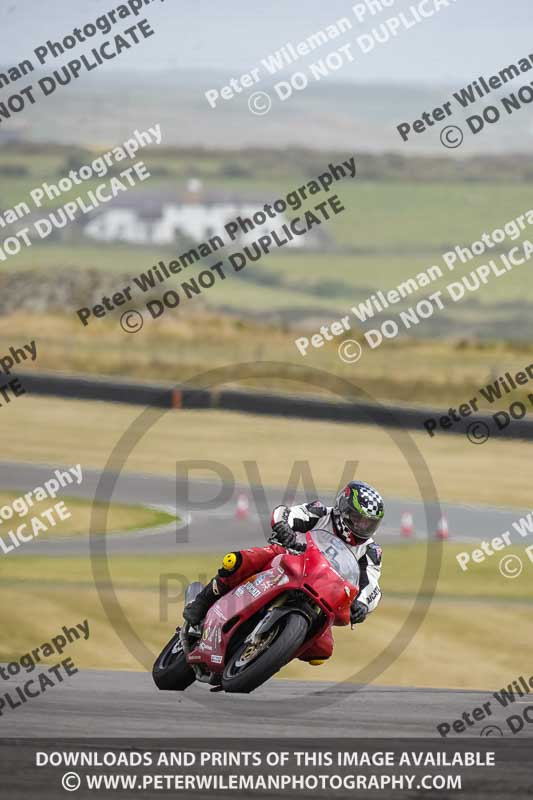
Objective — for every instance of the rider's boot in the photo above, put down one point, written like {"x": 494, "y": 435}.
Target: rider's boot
{"x": 195, "y": 611}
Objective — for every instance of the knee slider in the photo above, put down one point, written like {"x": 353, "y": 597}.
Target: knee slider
{"x": 230, "y": 563}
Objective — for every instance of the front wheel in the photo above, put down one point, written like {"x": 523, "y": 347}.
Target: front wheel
{"x": 171, "y": 672}
{"x": 253, "y": 664}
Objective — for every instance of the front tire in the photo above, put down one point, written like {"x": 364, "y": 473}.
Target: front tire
{"x": 171, "y": 672}
{"x": 289, "y": 635}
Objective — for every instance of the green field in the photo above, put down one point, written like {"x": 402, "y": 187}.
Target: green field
{"x": 394, "y": 227}
{"x": 380, "y": 217}
{"x": 391, "y": 230}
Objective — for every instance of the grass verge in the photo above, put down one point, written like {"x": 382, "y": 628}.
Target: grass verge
{"x": 122, "y": 518}
{"x": 460, "y": 625}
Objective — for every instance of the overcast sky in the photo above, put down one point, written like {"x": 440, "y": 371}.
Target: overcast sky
{"x": 469, "y": 38}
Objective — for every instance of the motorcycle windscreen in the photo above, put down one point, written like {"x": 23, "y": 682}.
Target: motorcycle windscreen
{"x": 338, "y": 554}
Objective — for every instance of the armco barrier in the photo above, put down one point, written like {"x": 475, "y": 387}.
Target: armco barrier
{"x": 81, "y": 388}
{"x": 166, "y": 396}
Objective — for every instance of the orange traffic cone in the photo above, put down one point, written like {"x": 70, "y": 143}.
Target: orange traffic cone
{"x": 242, "y": 510}
{"x": 442, "y": 528}
{"x": 406, "y": 526}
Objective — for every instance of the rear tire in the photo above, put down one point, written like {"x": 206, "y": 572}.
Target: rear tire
{"x": 292, "y": 630}
{"x": 171, "y": 672}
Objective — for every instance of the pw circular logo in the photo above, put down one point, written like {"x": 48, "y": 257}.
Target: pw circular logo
{"x": 131, "y": 321}
{"x": 364, "y": 671}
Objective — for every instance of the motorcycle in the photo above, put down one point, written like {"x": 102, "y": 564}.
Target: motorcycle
{"x": 255, "y": 629}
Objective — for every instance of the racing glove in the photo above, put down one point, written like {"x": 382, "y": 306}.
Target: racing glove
{"x": 358, "y": 612}
{"x": 283, "y": 534}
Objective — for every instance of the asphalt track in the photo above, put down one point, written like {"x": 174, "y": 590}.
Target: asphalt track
{"x": 105, "y": 703}
{"x": 213, "y": 529}
{"x": 112, "y": 703}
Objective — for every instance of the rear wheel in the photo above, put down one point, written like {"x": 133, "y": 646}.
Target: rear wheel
{"x": 171, "y": 672}
{"x": 251, "y": 665}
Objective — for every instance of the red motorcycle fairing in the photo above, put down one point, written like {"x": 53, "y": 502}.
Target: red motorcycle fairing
{"x": 310, "y": 572}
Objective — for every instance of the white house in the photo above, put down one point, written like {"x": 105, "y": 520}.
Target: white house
{"x": 196, "y": 221}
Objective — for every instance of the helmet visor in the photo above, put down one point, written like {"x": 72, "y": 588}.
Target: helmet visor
{"x": 363, "y": 527}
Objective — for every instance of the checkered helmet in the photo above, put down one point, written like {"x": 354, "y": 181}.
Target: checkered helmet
{"x": 358, "y": 512}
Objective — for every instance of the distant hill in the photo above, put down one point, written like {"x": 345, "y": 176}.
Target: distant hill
{"x": 101, "y": 108}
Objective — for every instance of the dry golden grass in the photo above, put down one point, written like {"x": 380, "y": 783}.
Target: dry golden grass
{"x": 437, "y": 373}
{"x": 51, "y": 430}
{"x": 453, "y": 648}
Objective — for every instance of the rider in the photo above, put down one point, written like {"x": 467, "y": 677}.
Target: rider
{"x": 354, "y": 518}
